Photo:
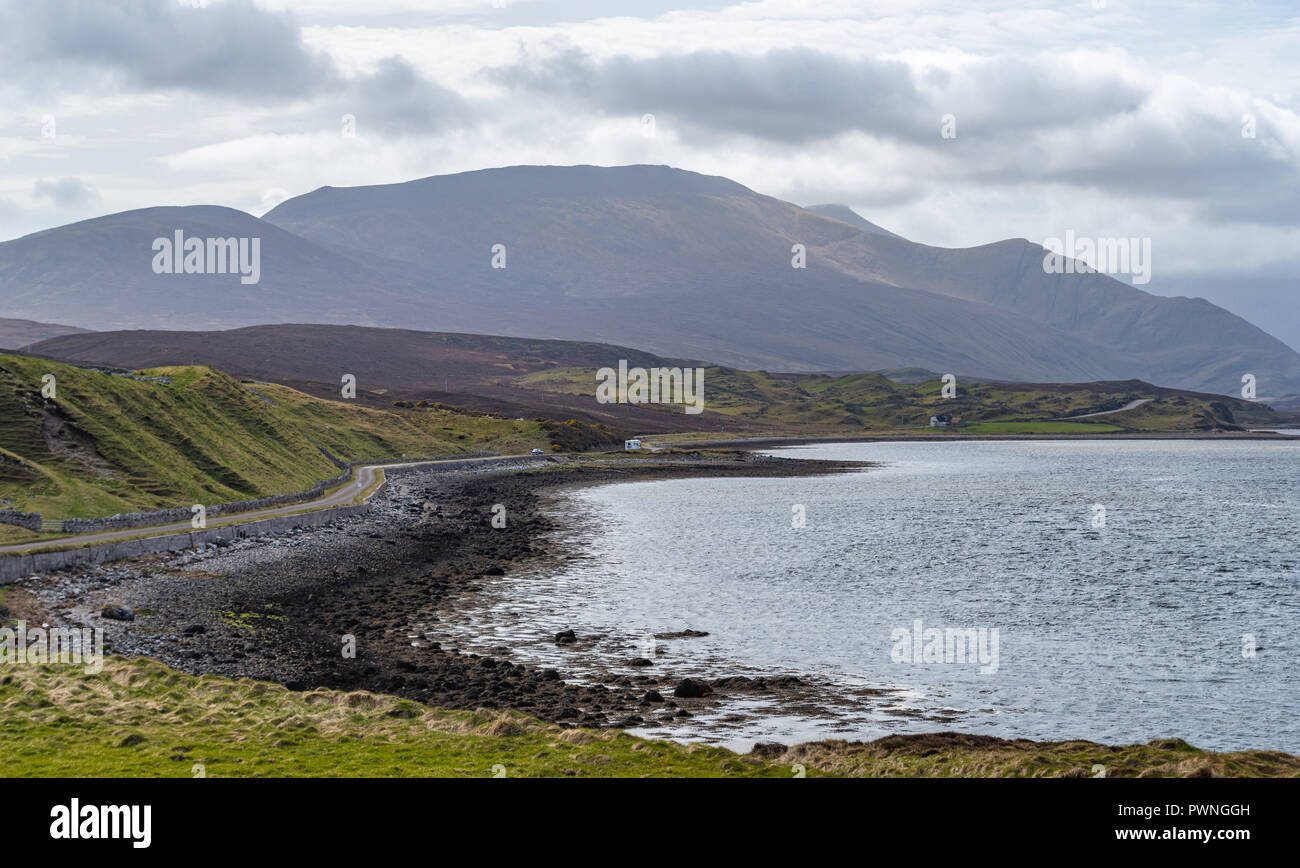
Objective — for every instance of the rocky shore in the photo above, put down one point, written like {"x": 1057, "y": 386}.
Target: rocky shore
{"x": 333, "y": 606}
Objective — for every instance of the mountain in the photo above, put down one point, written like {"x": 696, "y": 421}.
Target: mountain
{"x": 671, "y": 262}
{"x": 1266, "y": 299}
{"x": 1183, "y": 342}
{"x": 18, "y": 333}
{"x": 685, "y": 264}
{"x": 845, "y": 214}
{"x": 99, "y": 273}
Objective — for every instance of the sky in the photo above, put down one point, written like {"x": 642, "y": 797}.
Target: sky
{"x": 952, "y": 123}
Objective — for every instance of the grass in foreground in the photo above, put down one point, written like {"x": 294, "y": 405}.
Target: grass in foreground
{"x": 949, "y": 754}
{"x": 139, "y": 718}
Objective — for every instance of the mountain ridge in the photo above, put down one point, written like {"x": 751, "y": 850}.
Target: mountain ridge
{"x": 672, "y": 262}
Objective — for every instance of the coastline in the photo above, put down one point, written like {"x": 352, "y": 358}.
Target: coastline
{"x": 773, "y": 442}
{"x": 276, "y": 609}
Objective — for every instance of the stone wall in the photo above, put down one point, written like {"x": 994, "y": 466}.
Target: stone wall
{"x": 166, "y": 516}
{"x": 29, "y": 520}
{"x": 17, "y": 567}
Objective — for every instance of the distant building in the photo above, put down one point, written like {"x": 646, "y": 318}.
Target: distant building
{"x": 631, "y": 445}
{"x": 940, "y": 420}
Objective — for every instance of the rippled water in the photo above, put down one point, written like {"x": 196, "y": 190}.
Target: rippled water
{"x": 1121, "y": 633}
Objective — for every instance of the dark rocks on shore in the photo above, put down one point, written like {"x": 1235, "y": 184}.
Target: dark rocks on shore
{"x": 640, "y": 662}
{"x": 194, "y": 630}
{"x": 117, "y": 613}
{"x": 379, "y": 578}
{"x": 682, "y": 634}
{"x": 653, "y": 696}
{"x": 690, "y": 688}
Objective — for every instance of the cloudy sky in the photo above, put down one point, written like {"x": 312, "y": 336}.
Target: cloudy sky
{"x": 1105, "y": 117}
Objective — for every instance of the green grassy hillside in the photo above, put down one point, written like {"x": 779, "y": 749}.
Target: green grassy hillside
{"x": 872, "y": 403}
{"x": 108, "y": 443}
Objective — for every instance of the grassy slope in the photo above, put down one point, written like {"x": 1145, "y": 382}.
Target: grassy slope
{"x": 139, "y": 718}
{"x": 871, "y": 402}
{"x": 111, "y": 444}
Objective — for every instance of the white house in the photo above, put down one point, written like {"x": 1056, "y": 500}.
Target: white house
{"x": 631, "y": 445}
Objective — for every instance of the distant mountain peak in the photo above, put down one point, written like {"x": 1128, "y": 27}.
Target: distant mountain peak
{"x": 845, "y": 214}
{"x": 511, "y": 183}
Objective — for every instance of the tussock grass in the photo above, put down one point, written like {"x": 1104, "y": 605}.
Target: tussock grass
{"x": 138, "y": 718}
{"x": 957, "y": 755}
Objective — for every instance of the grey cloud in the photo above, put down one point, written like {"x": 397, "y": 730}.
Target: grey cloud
{"x": 394, "y": 100}
{"x": 397, "y": 100}
{"x": 800, "y": 95}
{"x": 1019, "y": 120}
{"x": 66, "y": 192}
{"x": 791, "y": 96}
{"x": 1008, "y": 96}
{"x": 231, "y": 48}
{"x": 1202, "y": 159}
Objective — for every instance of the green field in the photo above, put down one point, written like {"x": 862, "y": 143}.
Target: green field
{"x": 107, "y": 444}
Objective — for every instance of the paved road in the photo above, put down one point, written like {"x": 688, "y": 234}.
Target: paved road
{"x": 1129, "y": 406}
{"x": 364, "y": 477}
